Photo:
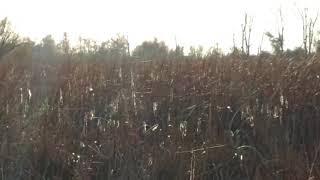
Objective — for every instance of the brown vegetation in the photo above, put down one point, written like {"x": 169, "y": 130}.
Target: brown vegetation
{"x": 218, "y": 118}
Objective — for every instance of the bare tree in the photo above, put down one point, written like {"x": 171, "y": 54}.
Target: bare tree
{"x": 246, "y": 35}
{"x": 260, "y": 45}
{"x": 308, "y": 24}
{"x": 235, "y": 50}
{"x": 280, "y": 32}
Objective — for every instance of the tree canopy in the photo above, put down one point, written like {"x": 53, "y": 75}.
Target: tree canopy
{"x": 8, "y": 38}
{"x": 151, "y": 50}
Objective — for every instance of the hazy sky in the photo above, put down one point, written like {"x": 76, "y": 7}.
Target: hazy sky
{"x": 192, "y": 22}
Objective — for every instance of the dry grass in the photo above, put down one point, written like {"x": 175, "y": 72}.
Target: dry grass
{"x": 227, "y": 118}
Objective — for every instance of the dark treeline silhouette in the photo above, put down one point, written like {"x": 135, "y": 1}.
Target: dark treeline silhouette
{"x": 118, "y": 47}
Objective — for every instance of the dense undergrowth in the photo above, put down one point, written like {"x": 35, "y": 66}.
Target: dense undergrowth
{"x": 218, "y": 118}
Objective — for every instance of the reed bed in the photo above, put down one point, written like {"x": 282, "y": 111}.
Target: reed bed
{"x": 217, "y": 118}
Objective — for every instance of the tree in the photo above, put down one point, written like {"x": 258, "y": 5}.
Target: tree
{"x": 48, "y": 45}
{"x": 46, "y": 49}
{"x": 246, "y": 35}
{"x": 8, "y": 38}
{"x": 86, "y": 48}
{"x": 235, "y": 51}
{"x": 151, "y": 50}
{"x": 317, "y": 46}
{"x": 64, "y": 45}
{"x": 317, "y": 43}
{"x": 215, "y": 51}
{"x": 296, "y": 52}
{"x": 277, "y": 42}
{"x": 307, "y": 30}
{"x": 118, "y": 47}
{"x": 176, "y": 53}
{"x": 196, "y": 52}
{"x": 79, "y": 49}
{"x": 115, "y": 48}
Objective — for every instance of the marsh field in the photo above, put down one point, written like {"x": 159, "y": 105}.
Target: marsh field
{"x": 218, "y": 117}
{"x": 114, "y": 110}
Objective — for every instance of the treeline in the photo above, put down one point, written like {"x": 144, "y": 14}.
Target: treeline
{"x": 119, "y": 47}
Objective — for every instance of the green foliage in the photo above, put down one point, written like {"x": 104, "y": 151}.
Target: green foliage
{"x": 276, "y": 43}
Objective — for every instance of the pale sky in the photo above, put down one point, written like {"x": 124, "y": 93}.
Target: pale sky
{"x": 192, "y": 22}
